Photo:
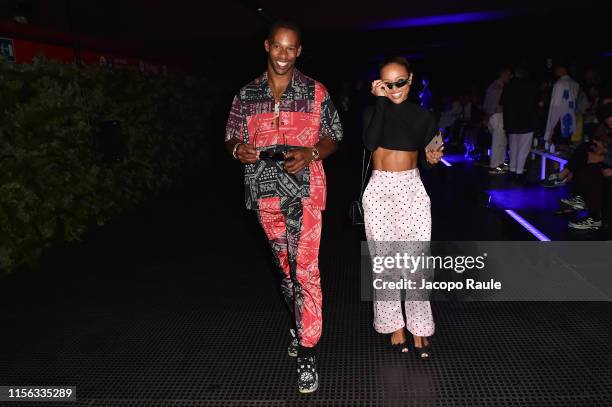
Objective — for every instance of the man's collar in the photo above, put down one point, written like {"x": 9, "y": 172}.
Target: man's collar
{"x": 297, "y": 78}
{"x": 297, "y": 81}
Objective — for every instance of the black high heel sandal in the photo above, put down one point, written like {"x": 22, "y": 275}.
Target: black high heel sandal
{"x": 424, "y": 351}
{"x": 399, "y": 347}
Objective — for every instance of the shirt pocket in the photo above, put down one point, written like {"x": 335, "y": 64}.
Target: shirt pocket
{"x": 262, "y": 130}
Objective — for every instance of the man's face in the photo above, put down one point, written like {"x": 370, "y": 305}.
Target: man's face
{"x": 283, "y": 49}
{"x": 506, "y": 76}
{"x": 609, "y": 122}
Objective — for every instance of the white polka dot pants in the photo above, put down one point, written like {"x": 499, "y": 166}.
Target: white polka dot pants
{"x": 397, "y": 208}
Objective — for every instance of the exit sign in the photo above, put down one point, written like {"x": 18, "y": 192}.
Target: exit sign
{"x": 6, "y": 49}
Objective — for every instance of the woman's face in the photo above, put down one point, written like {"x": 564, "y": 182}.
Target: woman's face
{"x": 392, "y": 73}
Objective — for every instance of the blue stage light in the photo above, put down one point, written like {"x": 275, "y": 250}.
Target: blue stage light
{"x": 446, "y": 162}
{"x": 445, "y": 19}
{"x": 528, "y": 226}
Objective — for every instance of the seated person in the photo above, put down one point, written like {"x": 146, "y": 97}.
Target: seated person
{"x": 578, "y": 159}
{"x": 592, "y": 178}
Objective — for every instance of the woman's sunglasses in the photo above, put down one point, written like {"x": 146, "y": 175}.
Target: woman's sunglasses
{"x": 398, "y": 84}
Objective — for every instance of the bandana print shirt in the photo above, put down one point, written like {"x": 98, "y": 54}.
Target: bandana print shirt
{"x": 304, "y": 115}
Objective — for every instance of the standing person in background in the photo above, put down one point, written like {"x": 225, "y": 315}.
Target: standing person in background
{"x": 451, "y": 112}
{"x": 519, "y": 101}
{"x": 590, "y": 114}
{"x": 561, "y": 122}
{"x": 495, "y": 121}
{"x": 282, "y": 126}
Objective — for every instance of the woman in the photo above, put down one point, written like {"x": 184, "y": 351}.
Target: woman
{"x": 395, "y": 203}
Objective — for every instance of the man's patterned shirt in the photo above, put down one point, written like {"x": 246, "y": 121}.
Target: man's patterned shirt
{"x": 305, "y": 115}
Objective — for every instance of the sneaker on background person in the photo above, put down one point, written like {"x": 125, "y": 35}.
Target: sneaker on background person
{"x": 586, "y": 223}
{"x": 554, "y": 180}
{"x": 498, "y": 170}
{"x": 574, "y": 202}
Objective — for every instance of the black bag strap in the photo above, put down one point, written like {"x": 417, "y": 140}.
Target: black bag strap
{"x": 365, "y": 167}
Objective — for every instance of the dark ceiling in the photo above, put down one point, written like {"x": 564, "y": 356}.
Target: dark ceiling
{"x": 163, "y": 22}
{"x": 234, "y": 29}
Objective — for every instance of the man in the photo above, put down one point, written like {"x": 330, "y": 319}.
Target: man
{"x": 519, "y": 101}
{"x": 561, "y": 123}
{"x": 495, "y": 121}
{"x": 281, "y": 126}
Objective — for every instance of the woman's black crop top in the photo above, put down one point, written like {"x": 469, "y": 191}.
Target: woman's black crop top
{"x": 404, "y": 126}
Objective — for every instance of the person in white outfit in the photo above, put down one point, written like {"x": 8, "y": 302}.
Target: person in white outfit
{"x": 495, "y": 121}
{"x": 561, "y": 123}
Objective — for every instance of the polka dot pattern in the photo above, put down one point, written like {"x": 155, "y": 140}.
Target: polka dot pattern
{"x": 397, "y": 208}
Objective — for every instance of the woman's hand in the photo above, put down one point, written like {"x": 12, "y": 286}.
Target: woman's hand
{"x": 378, "y": 88}
{"x": 434, "y": 157}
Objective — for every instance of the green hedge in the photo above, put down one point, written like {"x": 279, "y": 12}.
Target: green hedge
{"x": 53, "y": 186}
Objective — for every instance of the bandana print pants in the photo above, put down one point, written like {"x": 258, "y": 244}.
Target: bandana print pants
{"x": 294, "y": 232}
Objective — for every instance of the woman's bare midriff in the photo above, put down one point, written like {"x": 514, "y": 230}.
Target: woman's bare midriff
{"x": 394, "y": 160}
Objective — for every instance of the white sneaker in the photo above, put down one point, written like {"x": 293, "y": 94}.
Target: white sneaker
{"x": 576, "y": 202}
{"x": 498, "y": 170}
{"x": 553, "y": 180}
{"x": 587, "y": 223}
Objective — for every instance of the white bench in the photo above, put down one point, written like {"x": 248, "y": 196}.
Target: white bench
{"x": 546, "y": 155}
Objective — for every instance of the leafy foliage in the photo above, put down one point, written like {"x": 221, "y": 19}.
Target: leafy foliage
{"x": 53, "y": 183}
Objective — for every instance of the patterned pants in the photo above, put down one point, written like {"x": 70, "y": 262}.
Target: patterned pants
{"x": 294, "y": 233}
{"x": 397, "y": 209}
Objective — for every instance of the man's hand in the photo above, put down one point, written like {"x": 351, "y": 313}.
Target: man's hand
{"x": 607, "y": 172}
{"x": 247, "y": 153}
{"x": 434, "y": 157}
{"x": 599, "y": 148}
{"x": 297, "y": 159}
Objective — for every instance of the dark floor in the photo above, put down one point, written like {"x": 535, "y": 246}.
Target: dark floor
{"x": 176, "y": 305}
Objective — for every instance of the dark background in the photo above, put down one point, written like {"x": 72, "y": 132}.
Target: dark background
{"x": 175, "y": 303}
{"x": 225, "y": 39}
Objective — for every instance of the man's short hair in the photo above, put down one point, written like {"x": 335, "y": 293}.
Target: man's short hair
{"x": 289, "y": 25}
